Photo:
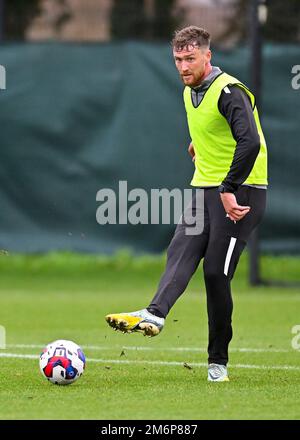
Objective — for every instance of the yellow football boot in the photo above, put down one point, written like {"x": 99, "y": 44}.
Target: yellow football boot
{"x": 140, "y": 321}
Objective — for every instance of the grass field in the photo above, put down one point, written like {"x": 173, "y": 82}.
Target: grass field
{"x": 132, "y": 377}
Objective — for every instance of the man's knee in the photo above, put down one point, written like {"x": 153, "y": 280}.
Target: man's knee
{"x": 182, "y": 244}
{"x": 222, "y": 263}
{"x": 213, "y": 273}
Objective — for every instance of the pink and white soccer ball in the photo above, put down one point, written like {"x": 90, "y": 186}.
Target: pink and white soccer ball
{"x": 62, "y": 362}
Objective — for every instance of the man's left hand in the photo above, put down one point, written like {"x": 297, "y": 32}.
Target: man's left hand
{"x": 235, "y": 211}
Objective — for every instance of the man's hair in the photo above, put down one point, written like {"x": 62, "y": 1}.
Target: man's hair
{"x": 190, "y": 36}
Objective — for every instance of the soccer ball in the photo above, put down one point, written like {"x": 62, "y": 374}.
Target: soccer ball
{"x": 62, "y": 362}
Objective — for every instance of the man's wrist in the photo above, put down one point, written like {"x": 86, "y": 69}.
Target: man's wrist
{"x": 228, "y": 186}
{"x": 225, "y": 189}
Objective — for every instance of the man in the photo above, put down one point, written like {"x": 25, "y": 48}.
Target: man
{"x": 230, "y": 156}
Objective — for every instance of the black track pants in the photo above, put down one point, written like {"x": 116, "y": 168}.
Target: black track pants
{"x": 220, "y": 244}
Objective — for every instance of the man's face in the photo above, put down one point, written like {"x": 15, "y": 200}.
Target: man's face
{"x": 191, "y": 63}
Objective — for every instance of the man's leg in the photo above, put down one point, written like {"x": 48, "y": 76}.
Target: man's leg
{"x": 183, "y": 256}
{"x": 226, "y": 243}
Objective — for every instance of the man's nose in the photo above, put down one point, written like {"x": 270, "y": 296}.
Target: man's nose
{"x": 184, "y": 66}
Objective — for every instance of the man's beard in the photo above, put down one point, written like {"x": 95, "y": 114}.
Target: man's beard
{"x": 191, "y": 80}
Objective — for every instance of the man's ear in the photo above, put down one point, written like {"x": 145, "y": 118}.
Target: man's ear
{"x": 208, "y": 55}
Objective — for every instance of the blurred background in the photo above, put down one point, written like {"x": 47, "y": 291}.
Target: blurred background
{"x": 92, "y": 98}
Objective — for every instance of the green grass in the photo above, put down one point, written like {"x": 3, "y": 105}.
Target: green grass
{"x": 57, "y": 296}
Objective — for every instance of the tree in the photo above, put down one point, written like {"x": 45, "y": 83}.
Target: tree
{"x": 282, "y": 23}
{"x": 143, "y": 19}
{"x": 18, "y": 15}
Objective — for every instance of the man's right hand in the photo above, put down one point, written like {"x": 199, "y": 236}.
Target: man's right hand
{"x": 191, "y": 151}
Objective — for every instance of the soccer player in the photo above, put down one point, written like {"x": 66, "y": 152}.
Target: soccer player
{"x": 230, "y": 156}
